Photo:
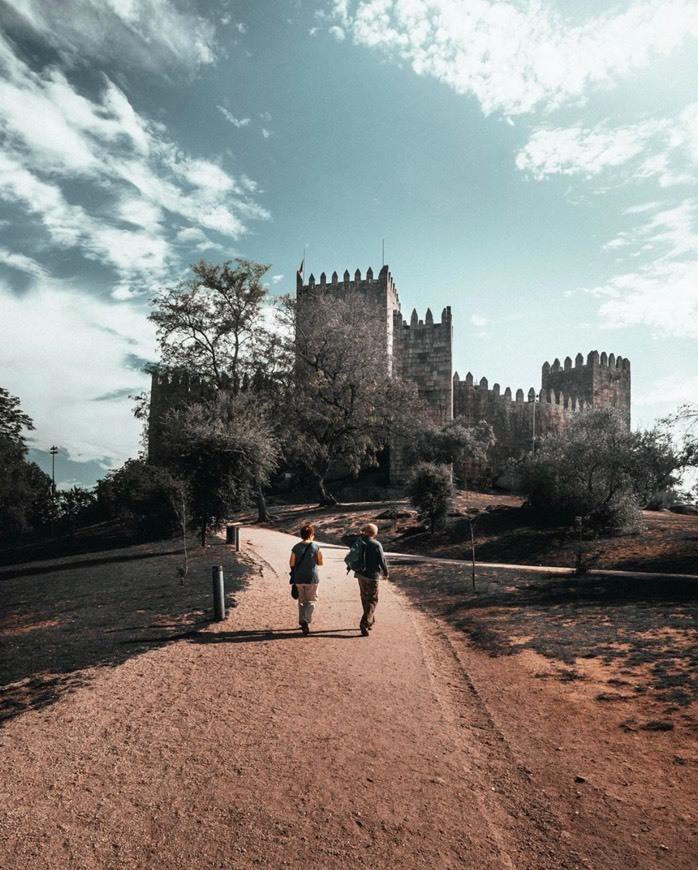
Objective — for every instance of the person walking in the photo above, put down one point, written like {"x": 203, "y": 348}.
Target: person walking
{"x": 373, "y": 565}
{"x": 306, "y": 557}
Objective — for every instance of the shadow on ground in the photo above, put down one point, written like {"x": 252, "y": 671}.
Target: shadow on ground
{"x": 65, "y": 616}
{"x": 644, "y": 627}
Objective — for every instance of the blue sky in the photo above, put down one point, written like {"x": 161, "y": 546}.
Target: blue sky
{"x": 531, "y": 164}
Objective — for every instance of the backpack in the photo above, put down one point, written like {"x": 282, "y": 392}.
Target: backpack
{"x": 355, "y": 559}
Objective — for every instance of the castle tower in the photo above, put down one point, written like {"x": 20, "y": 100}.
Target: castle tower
{"x": 602, "y": 382}
{"x": 380, "y": 294}
{"x": 423, "y": 354}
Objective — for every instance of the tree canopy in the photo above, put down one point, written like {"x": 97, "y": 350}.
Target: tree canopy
{"x": 224, "y": 451}
{"x": 25, "y": 490}
{"x": 212, "y": 324}
{"x": 346, "y": 407}
{"x": 599, "y": 470}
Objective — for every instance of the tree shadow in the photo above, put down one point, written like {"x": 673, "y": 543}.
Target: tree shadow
{"x": 62, "y": 619}
{"x": 641, "y": 625}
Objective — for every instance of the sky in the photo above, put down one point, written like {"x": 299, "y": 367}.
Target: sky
{"x": 531, "y": 163}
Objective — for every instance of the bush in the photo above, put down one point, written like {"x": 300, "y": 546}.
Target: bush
{"x": 430, "y": 491}
{"x": 144, "y": 494}
{"x": 599, "y": 470}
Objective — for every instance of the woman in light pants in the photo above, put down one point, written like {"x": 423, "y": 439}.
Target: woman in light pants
{"x": 306, "y": 556}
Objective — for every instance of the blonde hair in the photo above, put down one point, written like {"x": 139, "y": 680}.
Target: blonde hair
{"x": 370, "y": 529}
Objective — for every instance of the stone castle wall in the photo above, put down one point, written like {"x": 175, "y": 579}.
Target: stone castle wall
{"x": 422, "y": 351}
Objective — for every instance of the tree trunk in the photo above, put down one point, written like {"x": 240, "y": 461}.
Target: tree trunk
{"x": 204, "y": 529}
{"x": 262, "y": 513}
{"x": 472, "y": 550}
{"x": 326, "y": 497}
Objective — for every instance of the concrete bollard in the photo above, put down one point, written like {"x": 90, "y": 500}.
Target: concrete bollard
{"x": 218, "y": 593}
{"x": 232, "y": 535}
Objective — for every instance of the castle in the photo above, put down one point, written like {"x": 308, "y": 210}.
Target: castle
{"x": 422, "y": 351}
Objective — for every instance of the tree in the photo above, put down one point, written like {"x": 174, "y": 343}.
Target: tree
{"x": 430, "y": 492}
{"x": 75, "y": 506}
{"x": 212, "y": 324}
{"x": 685, "y": 423}
{"x": 346, "y": 407}
{"x": 597, "y": 469}
{"x": 456, "y": 444}
{"x": 145, "y": 494}
{"x": 224, "y": 451}
{"x": 25, "y": 490}
{"x": 214, "y": 327}
{"x": 13, "y": 421}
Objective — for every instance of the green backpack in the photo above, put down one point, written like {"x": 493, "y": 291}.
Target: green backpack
{"x": 355, "y": 559}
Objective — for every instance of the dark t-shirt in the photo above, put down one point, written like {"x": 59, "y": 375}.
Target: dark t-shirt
{"x": 305, "y": 569}
{"x": 375, "y": 559}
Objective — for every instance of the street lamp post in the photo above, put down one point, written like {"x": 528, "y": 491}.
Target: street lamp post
{"x": 53, "y": 452}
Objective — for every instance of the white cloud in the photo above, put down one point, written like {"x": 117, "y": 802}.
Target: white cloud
{"x": 663, "y": 293}
{"x": 236, "y": 122}
{"x": 68, "y": 360}
{"x": 674, "y": 389}
{"x": 156, "y": 35}
{"x": 574, "y": 150}
{"x": 666, "y": 149}
{"x": 478, "y": 320}
{"x": 22, "y": 263}
{"x": 54, "y": 135}
{"x": 515, "y": 57}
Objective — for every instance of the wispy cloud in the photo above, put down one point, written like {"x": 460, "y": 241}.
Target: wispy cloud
{"x": 155, "y": 35}
{"x": 664, "y": 148}
{"x": 62, "y": 380}
{"x": 236, "y": 122}
{"x": 54, "y": 135}
{"x": 513, "y": 57}
{"x": 663, "y": 293}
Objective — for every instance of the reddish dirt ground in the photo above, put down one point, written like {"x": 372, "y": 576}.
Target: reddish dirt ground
{"x": 537, "y": 721}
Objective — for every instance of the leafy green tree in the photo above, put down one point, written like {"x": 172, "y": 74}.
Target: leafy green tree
{"x": 223, "y": 450}
{"x": 216, "y": 327}
{"x": 684, "y": 424}
{"x": 13, "y": 421}
{"x": 75, "y": 506}
{"x": 212, "y": 325}
{"x": 345, "y": 407}
{"x": 147, "y": 495}
{"x": 597, "y": 469}
{"x": 456, "y": 444}
{"x": 430, "y": 492}
{"x": 25, "y": 491}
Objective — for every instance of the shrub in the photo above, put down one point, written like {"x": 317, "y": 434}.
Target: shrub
{"x": 430, "y": 491}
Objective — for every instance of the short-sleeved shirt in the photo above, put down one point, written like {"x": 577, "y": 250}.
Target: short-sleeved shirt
{"x": 305, "y": 569}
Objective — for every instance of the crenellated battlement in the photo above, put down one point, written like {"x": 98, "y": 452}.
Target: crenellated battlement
{"x": 602, "y": 381}
{"x": 421, "y": 350}
{"x": 378, "y": 288}
{"x": 568, "y": 401}
{"x": 602, "y": 360}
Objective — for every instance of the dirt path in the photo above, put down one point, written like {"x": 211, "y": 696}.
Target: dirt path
{"x": 249, "y": 745}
